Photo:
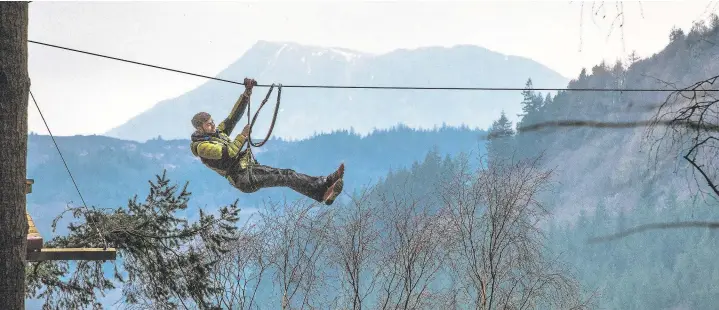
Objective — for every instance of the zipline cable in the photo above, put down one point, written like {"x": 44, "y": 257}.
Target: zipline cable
{"x": 370, "y": 87}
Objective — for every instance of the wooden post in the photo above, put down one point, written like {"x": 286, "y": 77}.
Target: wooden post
{"x": 34, "y": 239}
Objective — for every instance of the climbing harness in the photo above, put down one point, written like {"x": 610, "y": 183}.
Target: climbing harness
{"x": 249, "y": 142}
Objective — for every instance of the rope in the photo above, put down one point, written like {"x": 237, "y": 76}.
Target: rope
{"x": 376, "y": 87}
{"x": 254, "y": 119}
{"x": 68, "y": 170}
{"x": 249, "y": 142}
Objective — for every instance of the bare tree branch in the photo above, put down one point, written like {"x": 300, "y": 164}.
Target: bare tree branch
{"x": 355, "y": 249}
{"x": 598, "y": 8}
{"x": 597, "y": 124}
{"x": 695, "y": 104}
{"x": 298, "y": 239}
{"x": 497, "y": 244}
{"x": 240, "y": 271}
{"x": 413, "y": 254}
{"x": 690, "y": 117}
{"x": 642, "y": 228}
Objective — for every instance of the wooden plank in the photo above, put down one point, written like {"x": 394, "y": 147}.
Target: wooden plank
{"x": 72, "y": 254}
{"x": 34, "y": 239}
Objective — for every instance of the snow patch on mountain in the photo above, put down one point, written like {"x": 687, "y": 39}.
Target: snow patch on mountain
{"x": 349, "y": 56}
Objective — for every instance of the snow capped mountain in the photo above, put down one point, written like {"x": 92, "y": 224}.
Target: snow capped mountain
{"x": 348, "y": 54}
{"x": 306, "y": 111}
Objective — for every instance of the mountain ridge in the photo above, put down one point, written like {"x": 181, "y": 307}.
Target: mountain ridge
{"x": 307, "y": 111}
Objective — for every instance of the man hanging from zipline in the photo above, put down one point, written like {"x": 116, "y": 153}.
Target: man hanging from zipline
{"x": 224, "y": 155}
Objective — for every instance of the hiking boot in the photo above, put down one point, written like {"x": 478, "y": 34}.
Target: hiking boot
{"x": 338, "y": 174}
{"x": 333, "y": 191}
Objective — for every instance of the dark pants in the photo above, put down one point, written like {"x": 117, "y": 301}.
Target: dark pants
{"x": 261, "y": 176}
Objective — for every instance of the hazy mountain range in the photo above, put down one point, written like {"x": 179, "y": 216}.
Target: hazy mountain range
{"x": 305, "y": 111}
{"x": 109, "y": 171}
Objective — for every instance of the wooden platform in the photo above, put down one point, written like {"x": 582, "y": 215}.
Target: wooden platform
{"x": 36, "y": 253}
{"x": 46, "y": 254}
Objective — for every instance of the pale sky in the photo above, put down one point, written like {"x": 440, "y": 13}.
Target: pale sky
{"x": 81, "y": 94}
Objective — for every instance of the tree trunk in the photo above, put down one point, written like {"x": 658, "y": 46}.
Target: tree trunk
{"x": 14, "y": 87}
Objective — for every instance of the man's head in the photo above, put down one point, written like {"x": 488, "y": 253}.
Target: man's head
{"x": 203, "y": 122}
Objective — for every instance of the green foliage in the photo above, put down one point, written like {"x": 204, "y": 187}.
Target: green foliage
{"x": 657, "y": 269}
{"x": 162, "y": 252}
{"x": 532, "y": 102}
{"x": 501, "y": 139}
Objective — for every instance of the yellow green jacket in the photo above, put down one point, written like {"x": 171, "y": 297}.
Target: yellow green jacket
{"x": 216, "y": 150}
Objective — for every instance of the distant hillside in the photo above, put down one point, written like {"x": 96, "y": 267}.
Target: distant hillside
{"x": 611, "y": 180}
{"x": 109, "y": 171}
{"x": 616, "y": 167}
{"x": 308, "y": 111}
